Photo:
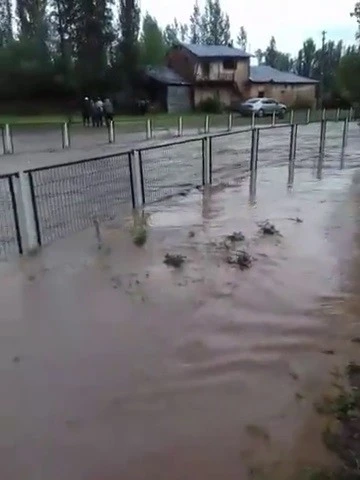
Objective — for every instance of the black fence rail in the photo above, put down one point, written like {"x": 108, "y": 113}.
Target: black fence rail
{"x": 171, "y": 168}
{"x": 68, "y": 198}
{"x": 10, "y": 237}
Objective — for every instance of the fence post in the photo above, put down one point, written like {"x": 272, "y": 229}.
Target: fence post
{"x": 253, "y": 120}
{"x": 207, "y": 160}
{"x": 291, "y": 116}
{"x": 321, "y": 148}
{"x": 149, "y": 129}
{"x": 65, "y": 135}
{"x": 337, "y": 118}
{"x": 27, "y": 213}
{"x": 180, "y": 127}
{"x": 254, "y": 156}
{"x": 137, "y": 178}
{"x": 15, "y": 208}
{"x": 8, "y": 145}
{"x": 292, "y": 154}
{"x": 273, "y": 121}
{"x": 351, "y": 111}
{"x": 323, "y": 114}
{"x": 230, "y": 122}
{"x": 308, "y": 115}
{"x": 111, "y": 132}
{"x": 344, "y": 142}
{"x": 206, "y": 124}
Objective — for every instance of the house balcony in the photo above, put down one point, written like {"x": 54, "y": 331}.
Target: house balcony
{"x": 215, "y": 77}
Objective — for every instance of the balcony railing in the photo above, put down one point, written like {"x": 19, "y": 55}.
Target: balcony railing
{"x": 216, "y": 77}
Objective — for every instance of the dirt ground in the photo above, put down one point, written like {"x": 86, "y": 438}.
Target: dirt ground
{"x": 115, "y": 365}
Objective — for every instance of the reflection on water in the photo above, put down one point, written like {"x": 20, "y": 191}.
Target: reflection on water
{"x": 116, "y": 366}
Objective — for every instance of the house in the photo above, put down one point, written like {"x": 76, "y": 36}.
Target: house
{"x": 167, "y": 89}
{"x": 224, "y": 72}
{"x": 219, "y": 71}
{"x": 285, "y": 87}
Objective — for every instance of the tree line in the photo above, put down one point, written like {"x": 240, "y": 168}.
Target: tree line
{"x": 67, "y": 48}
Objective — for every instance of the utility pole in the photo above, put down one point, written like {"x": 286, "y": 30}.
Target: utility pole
{"x": 322, "y": 69}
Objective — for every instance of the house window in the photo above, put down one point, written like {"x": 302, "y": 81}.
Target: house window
{"x": 261, "y": 94}
{"x": 206, "y": 69}
{"x": 229, "y": 64}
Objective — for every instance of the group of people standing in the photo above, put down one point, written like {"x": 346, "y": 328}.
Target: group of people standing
{"x": 96, "y": 112}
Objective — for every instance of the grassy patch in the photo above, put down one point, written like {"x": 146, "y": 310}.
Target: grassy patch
{"x": 165, "y": 120}
{"x": 139, "y": 230}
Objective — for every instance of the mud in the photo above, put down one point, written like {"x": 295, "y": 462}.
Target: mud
{"x": 116, "y": 366}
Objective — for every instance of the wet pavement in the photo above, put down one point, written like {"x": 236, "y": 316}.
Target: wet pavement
{"x": 115, "y": 365}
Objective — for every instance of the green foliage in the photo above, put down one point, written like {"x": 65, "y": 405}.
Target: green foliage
{"x": 215, "y": 24}
{"x": 175, "y": 32}
{"x": 348, "y": 76}
{"x": 210, "y": 105}
{"x": 152, "y": 44}
{"x": 241, "y": 39}
{"x": 195, "y": 28}
{"x": 73, "y": 47}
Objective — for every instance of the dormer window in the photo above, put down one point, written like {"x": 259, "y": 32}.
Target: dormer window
{"x": 229, "y": 64}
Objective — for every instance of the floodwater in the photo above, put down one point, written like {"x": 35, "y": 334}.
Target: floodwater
{"x": 115, "y": 366}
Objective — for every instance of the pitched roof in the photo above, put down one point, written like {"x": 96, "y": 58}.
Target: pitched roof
{"x": 215, "y": 51}
{"x": 165, "y": 75}
{"x": 266, "y": 74}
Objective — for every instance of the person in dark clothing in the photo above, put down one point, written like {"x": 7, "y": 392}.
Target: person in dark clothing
{"x": 86, "y": 112}
{"x": 99, "y": 112}
{"x": 108, "y": 111}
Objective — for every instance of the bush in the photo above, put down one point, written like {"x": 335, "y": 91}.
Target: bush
{"x": 210, "y": 105}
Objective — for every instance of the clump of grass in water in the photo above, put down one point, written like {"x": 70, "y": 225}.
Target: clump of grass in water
{"x": 139, "y": 230}
{"x": 240, "y": 258}
{"x": 267, "y": 228}
{"x": 174, "y": 260}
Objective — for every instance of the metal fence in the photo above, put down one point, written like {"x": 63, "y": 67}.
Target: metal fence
{"x": 230, "y": 152}
{"x": 169, "y": 169}
{"x": 67, "y": 198}
{"x": 10, "y": 238}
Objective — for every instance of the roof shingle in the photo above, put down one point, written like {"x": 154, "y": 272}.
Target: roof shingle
{"x": 266, "y": 74}
{"x": 215, "y": 51}
{"x": 165, "y": 75}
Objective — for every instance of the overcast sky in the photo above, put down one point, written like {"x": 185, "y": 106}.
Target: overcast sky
{"x": 289, "y": 21}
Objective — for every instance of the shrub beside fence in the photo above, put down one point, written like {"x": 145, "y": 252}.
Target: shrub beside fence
{"x": 43, "y": 204}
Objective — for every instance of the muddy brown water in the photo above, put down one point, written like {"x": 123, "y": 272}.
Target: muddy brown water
{"x": 115, "y": 366}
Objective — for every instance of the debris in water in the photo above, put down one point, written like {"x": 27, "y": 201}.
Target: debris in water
{"x": 116, "y": 281}
{"x": 240, "y": 258}
{"x": 356, "y": 340}
{"x": 97, "y": 233}
{"x": 328, "y": 352}
{"x": 235, "y": 237}
{"x": 296, "y": 219}
{"x": 16, "y": 359}
{"x": 258, "y": 431}
{"x": 268, "y": 228}
{"x": 191, "y": 234}
{"x": 174, "y": 260}
{"x": 294, "y": 375}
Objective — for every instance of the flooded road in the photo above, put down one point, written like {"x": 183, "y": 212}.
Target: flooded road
{"x": 115, "y": 366}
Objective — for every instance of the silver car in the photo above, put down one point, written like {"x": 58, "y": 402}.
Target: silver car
{"x": 261, "y": 107}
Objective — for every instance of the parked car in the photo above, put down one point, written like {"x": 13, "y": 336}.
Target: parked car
{"x": 262, "y": 107}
